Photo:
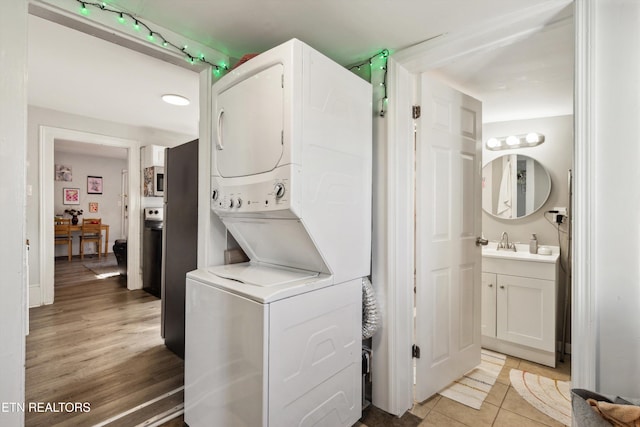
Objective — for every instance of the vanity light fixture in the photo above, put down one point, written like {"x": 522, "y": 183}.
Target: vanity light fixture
{"x": 515, "y": 141}
{"x": 175, "y": 99}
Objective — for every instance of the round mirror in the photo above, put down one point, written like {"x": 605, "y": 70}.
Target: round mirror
{"x": 514, "y": 186}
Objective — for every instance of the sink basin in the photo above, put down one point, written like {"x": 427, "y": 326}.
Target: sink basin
{"x": 522, "y": 253}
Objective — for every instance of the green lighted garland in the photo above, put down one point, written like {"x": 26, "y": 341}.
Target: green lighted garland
{"x": 153, "y": 35}
{"x": 383, "y": 54}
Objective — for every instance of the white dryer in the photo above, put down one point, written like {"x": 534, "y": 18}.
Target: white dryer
{"x": 277, "y": 341}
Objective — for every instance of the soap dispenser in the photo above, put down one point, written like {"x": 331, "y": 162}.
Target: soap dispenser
{"x": 533, "y": 244}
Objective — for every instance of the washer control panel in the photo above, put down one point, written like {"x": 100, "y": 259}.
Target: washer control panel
{"x": 258, "y": 197}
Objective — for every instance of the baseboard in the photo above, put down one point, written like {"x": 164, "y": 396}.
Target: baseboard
{"x": 35, "y": 295}
{"x": 547, "y": 358}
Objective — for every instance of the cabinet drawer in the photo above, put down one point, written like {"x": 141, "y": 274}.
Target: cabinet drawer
{"x": 537, "y": 270}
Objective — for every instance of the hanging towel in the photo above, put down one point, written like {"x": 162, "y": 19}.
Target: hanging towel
{"x": 504, "y": 197}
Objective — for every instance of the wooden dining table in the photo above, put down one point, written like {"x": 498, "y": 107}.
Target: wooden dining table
{"x": 103, "y": 227}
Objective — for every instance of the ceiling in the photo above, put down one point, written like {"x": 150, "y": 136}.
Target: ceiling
{"x": 77, "y": 73}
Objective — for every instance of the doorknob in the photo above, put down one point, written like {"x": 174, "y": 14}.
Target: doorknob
{"x": 481, "y": 241}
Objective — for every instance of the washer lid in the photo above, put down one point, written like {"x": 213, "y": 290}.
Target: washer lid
{"x": 261, "y": 275}
{"x": 248, "y": 127}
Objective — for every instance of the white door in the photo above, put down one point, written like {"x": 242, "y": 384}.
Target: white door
{"x": 448, "y": 221}
{"x": 249, "y": 123}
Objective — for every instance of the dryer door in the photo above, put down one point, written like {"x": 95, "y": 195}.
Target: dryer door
{"x": 248, "y": 126}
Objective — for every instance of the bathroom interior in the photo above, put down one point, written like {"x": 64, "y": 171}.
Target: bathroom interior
{"x": 527, "y": 156}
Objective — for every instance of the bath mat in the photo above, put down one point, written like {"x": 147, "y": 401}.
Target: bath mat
{"x": 105, "y": 267}
{"x": 475, "y": 385}
{"x": 549, "y": 396}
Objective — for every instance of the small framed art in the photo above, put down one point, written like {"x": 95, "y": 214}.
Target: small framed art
{"x": 94, "y": 185}
{"x": 70, "y": 196}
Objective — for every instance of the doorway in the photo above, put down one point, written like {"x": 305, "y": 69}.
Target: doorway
{"x": 48, "y": 138}
{"x": 393, "y": 390}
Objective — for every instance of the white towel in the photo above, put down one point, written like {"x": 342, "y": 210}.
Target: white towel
{"x": 504, "y": 197}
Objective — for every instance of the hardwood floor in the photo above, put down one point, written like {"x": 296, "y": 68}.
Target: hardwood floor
{"x": 98, "y": 343}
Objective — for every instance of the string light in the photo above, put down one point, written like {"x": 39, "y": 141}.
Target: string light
{"x": 152, "y": 35}
{"x": 217, "y": 68}
{"x": 384, "y": 55}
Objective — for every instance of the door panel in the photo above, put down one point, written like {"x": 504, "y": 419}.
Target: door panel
{"x": 526, "y": 311}
{"x": 448, "y": 195}
{"x": 250, "y": 111}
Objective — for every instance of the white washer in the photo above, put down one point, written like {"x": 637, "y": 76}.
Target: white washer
{"x": 277, "y": 341}
{"x": 284, "y": 361}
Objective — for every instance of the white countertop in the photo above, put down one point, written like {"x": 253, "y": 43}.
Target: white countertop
{"x": 521, "y": 253}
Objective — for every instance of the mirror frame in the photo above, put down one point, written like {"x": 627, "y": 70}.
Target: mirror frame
{"x": 544, "y": 201}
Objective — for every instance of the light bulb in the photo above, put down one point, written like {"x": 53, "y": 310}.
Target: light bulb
{"x": 493, "y": 143}
{"x": 513, "y": 140}
{"x": 533, "y": 137}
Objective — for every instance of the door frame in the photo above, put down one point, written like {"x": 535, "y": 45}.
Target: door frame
{"x": 393, "y": 258}
{"x": 47, "y": 138}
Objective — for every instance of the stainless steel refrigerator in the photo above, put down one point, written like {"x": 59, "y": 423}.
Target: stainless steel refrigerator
{"x": 180, "y": 235}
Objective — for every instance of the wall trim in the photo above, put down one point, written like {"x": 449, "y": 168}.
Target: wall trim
{"x": 47, "y": 137}
{"x": 392, "y": 256}
{"x": 103, "y": 26}
{"x": 583, "y": 286}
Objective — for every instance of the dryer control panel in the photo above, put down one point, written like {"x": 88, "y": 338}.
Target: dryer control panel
{"x": 241, "y": 195}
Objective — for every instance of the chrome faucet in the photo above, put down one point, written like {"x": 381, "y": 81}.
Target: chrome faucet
{"x": 504, "y": 243}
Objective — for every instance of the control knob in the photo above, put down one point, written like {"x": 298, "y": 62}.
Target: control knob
{"x": 238, "y": 202}
{"x": 279, "y": 190}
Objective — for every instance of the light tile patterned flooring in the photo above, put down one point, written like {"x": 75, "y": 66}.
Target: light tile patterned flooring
{"x": 503, "y": 407}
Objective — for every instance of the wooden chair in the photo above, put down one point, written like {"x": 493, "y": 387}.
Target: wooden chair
{"x": 91, "y": 233}
{"x": 63, "y": 233}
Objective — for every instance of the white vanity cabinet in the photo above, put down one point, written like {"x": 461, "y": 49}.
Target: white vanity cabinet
{"x": 519, "y": 294}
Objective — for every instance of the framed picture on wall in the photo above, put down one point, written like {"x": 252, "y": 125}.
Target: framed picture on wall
{"x": 93, "y": 207}
{"x": 70, "y": 196}
{"x": 94, "y": 185}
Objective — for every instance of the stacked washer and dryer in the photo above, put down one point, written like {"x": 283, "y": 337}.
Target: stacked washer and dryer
{"x": 276, "y": 341}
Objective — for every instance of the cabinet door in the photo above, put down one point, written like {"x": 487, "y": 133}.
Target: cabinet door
{"x": 526, "y": 311}
{"x": 488, "y": 318}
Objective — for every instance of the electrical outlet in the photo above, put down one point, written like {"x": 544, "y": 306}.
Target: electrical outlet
{"x": 561, "y": 210}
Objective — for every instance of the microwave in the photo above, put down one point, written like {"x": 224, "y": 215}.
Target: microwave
{"x": 153, "y": 182}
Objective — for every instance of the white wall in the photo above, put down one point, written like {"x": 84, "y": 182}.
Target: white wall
{"x": 616, "y": 206}
{"x": 13, "y": 108}
{"x": 555, "y": 154}
{"x": 44, "y": 117}
{"x": 109, "y": 208}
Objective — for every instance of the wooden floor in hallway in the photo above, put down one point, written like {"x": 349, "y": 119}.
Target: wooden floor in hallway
{"x": 98, "y": 344}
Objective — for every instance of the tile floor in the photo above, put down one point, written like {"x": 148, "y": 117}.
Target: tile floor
{"x": 503, "y": 407}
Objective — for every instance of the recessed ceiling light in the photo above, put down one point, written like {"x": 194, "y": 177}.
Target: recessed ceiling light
{"x": 175, "y": 99}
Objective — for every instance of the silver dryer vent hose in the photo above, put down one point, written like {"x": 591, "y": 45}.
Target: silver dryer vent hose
{"x": 370, "y": 318}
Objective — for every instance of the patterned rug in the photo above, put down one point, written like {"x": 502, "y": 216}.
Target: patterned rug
{"x": 475, "y": 385}
{"x": 552, "y": 397}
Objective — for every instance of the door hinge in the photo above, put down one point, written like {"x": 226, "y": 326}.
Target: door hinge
{"x": 415, "y": 351}
{"x": 282, "y": 81}
{"x": 415, "y": 111}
